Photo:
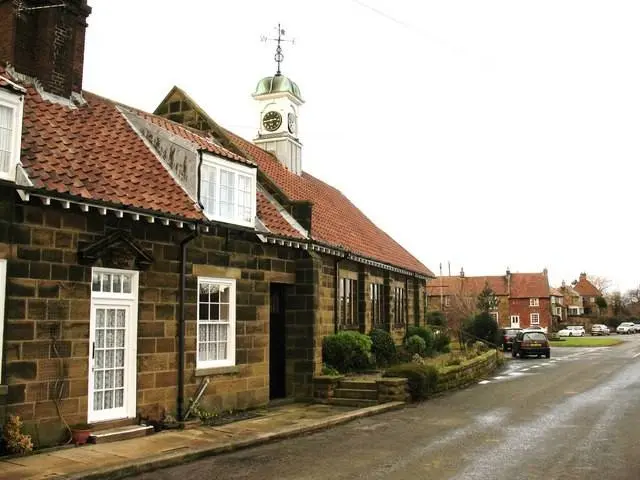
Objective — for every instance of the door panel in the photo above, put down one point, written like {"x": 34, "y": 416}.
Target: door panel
{"x": 277, "y": 343}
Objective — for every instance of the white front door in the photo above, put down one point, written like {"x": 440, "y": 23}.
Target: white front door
{"x": 112, "y": 342}
{"x": 515, "y": 321}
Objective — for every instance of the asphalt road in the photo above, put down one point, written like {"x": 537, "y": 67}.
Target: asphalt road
{"x": 575, "y": 416}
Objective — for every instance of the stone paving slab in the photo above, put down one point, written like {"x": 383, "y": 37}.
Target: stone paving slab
{"x": 136, "y": 455}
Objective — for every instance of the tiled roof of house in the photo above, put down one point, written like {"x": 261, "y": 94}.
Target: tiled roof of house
{"x": 556, "y": 292}
{"x": 472, "y": 286}
{"x": 91, "y": 151}
{"x": 585, "y": 288}
{"x": 335, "y": 220}
{"x": 529, "y": 285}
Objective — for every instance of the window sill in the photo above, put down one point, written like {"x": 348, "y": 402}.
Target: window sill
{"x": 4, "y": 390}
{"x": 205, "y": 372}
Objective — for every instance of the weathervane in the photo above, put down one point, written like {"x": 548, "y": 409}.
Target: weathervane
{"x": 279, "y": 56}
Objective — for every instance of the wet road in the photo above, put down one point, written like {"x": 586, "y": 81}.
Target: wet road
{"x": 575, "y": 416}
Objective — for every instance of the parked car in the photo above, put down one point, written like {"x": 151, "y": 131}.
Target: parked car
{"x": 572, "y": 331}
{"x": 599, "y": 329}
{"x": 626, "y": 328}
{"x": 508, "y": 334}
{"x": 529, "y": 342}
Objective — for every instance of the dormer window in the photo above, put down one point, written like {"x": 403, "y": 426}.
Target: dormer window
{"x": 228, "y": 191}
{"x": 10, "y": 133}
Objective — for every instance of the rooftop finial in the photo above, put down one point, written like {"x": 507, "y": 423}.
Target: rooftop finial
{"x": 279, "y": 56}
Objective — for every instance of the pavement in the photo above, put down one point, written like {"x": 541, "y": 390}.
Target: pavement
{"x": 574, "y": 416}
{"x": 174, "y": 447}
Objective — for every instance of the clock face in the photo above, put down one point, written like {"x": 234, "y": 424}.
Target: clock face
{"x": 272, "y": 121}
{"x": 291, "y": 123}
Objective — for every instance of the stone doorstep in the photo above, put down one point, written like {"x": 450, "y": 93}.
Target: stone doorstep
{"x": 120, "y": 433}
{"x": 359, "y": 384}
{"x": 352, "y": 402}
{"x": 356, "y": 393}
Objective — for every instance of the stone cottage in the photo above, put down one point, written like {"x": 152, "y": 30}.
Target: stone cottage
{"x": 145, "y": 257}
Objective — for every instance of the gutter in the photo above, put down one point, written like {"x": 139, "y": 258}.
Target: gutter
{"x": 181, "y": 320}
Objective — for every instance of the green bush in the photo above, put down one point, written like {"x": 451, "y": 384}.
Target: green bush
{"x": 347, "y": 351}
{"x": 423, "y": 379}
{"x": 484, "y": 327}
{"x": 383, "y": 347}
{"x": 416, "y": 345}
{"x": 435, "y": 318}
{"x": 425, "y": 333}
{"x": 441, "y": 342}
{"x": 329, "y": 370}
{"x": 480, "y": 347}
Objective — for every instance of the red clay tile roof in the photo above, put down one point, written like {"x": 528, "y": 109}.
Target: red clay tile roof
{"x": 335, "y": 220}
{"x": 466, "y": 285}
{"x": 272, "y": 219}
{"x": 556, "y": 292}
{"x": 529, "y": 285}
{"x": 585, "y": 288}
{"x": 92, "y": 152}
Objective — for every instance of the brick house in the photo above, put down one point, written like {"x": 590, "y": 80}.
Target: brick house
{"x": 589, "y": 293}
{"x": 524, "y": 299}
{"x": 142, "y": 260}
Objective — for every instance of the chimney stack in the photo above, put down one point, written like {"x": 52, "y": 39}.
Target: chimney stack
{"x": 45, "y": 39}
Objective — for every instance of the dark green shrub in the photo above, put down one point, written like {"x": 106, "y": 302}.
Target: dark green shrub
{"x": 423, "y": 379}
{"x": 425, "y": 333}
{"x": 484, "y": 327}
{"x": 347, "y": 351}
{"x": 441, "y": 342}
{"x": 329, "y": 370}
{"x": 435, "y": 318}
{"x": 383, "y": 347}
{"x": 416, "y": 345}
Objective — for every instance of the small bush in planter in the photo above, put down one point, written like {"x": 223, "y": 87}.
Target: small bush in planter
{"x": 347, "y": 351}
{"x": 12, "y": 437}
{"x": 425, "y": 333}
{"x": 422, "y": 379}
{"x": 416, "y": 345}
{"x": 383, "y": 347}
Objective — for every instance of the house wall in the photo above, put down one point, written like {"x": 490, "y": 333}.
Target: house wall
{"x": 520, "y": 306}
{"x": 46, "y": 354}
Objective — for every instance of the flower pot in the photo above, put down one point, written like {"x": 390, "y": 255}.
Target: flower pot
{"x": 80, "y": 436}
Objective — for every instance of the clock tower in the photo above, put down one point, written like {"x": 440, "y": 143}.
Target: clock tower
{"x": 278, "y": 99}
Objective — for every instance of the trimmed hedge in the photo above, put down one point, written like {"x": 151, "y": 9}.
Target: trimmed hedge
{"x": 383, "y": 348}
{"x": 347, "y": 351}
{"x": 416, "y": 345}
{"x": 422, "y": 379}
{"x": 425, "y": 333}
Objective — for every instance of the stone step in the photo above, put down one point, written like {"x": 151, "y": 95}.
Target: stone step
{"x": 120, "y": 433}
{"x": 359, "y": 385}
{"x": 351, "y": 402}
{"x": 356, "y": 393}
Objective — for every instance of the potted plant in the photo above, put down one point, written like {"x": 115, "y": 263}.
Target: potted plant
{"x": 80, "y": 433}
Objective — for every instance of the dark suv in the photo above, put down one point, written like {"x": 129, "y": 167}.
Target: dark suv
{"x": 508, "y": 334}
{"x": 529, "y": 342}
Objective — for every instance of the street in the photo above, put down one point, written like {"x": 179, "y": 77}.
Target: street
{"x": 574, "y": 416}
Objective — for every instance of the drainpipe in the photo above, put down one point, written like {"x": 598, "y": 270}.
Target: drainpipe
{"x": 336, "y": 302}
{"x": 181, "y": 319}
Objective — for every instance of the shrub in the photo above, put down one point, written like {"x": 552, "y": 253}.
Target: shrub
{"x": 453, "y": 360}
{"x": 329, "y": 370}
{"x": 416, "y": 345}
{"x": 441, "y": 342}
{"x": 425, "y": 333}
{"x": 383, "y": 347}
{"x": 435, "y": 318}
{"x": 423, "y": 379}
{"x": 480, "y": 347}
{"x": 484, "y": 327}
{"x": 14, "y": 440}
{"x": 347, "y": 351}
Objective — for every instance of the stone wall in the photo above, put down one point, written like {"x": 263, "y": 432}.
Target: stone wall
{"x": 468, "y": 372}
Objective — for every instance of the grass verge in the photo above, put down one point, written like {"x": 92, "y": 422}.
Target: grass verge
{"x": 586, "y": 342}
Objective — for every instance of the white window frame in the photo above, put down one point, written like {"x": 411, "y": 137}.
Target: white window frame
{"x": 15, "y": 103}
{"x": 3, "y": 289}
{"x": 516, "y": 318}
{"x": 534, "y": 318}
{"x": 130, "y": 301}
{"x": 534, "y": 302}
{"x": 210, "y": 161}
{"x": 230, "y": 361}
{"x": 447, "y": 301}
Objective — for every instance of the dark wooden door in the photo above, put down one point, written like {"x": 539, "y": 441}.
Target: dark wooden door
{"x": 277, "y": 345}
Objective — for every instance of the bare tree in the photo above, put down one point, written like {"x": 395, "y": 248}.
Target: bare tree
{"x": 462, "y": 307}
{"x": 601, "y": 283}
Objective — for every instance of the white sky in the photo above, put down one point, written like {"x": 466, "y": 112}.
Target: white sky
{"x": 488, "y": 134}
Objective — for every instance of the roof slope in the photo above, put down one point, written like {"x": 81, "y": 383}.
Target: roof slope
{"x": 334, "y": 219}
{"x": 585, "y": 288}
{"x": 450, "y": 285}
{"x": 529, "y": 285}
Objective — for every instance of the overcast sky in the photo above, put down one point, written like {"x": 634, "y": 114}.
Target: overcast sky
{"x": 489, "y": 134}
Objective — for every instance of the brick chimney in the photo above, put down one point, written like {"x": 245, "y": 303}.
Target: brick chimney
{"x": 45, "y": 39}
